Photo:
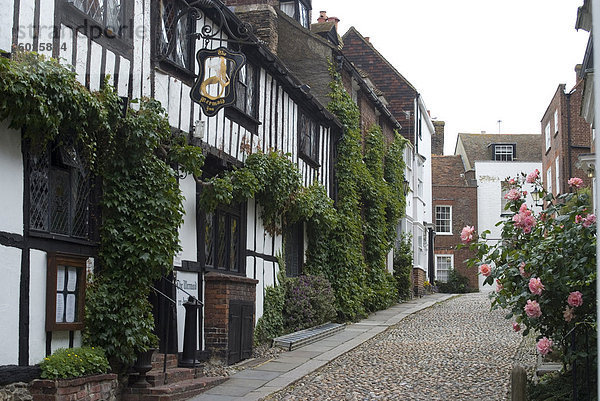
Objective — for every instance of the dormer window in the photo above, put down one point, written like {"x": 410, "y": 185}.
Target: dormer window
{"x": 504, "y": 152}
{"x": 298, "y": 10}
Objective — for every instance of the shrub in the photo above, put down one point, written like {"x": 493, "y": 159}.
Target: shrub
{"x": 403, "y": 266}
{"x": 270, "y": 324}
{"x": 309, "y": 302}
{"x": 456, "y": 284}
{"x": 66, "y": 363}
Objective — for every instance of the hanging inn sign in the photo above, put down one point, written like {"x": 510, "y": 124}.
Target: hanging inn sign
{"x": 218, "y": 68}
{"x": 216, "y": 82}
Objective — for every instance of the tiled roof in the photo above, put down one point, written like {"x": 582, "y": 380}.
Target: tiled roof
{"x": 477, "y": 146}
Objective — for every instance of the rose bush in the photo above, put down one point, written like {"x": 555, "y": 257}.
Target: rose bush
{"x": 544, "y": 269}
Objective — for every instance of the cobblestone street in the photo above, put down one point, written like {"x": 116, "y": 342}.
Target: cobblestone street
{"x": 455, "y": 350}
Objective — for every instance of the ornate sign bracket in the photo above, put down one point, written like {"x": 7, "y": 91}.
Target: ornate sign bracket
{"x": 197, "y": 9}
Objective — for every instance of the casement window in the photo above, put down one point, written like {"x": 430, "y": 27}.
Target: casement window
{"x": 101, "y": 20}
{"x": 246, "y": 91}
{"x": 59, "y": 193}
{"x": 174, "y": 40}
{"x": 547, "y": 136}
{"x": 308, "y": 131}
{"x": 223, "y": 244}
{"x": 294, "y": 250}
{"x": 443, "y": 220}
{"x": 65, "y": 292}
{"x": 556, "y": 122}
{"x": 504, "y": 152}
{"x": 443, "y": 265}
{"x": 298, "y": 10}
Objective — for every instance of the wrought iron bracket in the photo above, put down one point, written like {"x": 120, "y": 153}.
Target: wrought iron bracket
{"x": 197, "y": 9}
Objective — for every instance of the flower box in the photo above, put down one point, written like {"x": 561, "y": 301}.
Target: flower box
{"x": 87, "y": 388}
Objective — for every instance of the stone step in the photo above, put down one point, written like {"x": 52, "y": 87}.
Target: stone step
{"x": 307, "y": 336}
{"x": 182, "y": 390}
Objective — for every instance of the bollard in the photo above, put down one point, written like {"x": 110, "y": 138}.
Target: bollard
{"x": 518, "y": 381}
{"x": 190, "y": 333}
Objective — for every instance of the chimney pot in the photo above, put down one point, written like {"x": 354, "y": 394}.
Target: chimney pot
{"x": 322, "y": 17}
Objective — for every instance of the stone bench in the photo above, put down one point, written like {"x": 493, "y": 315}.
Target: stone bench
{"x": 307, "y": 336}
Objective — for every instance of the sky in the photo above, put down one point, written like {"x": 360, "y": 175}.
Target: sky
{"x": 474, "y": 61}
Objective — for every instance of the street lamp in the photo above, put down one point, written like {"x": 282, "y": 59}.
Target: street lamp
{"x": 537, "y": 197}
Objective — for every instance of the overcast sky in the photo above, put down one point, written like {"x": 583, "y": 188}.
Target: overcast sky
{"x": 474, "y": 61}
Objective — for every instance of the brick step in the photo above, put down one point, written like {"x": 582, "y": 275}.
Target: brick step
{"x": 182, "y": 390}
{"x": 157, "y": 377}
{"x": 157, "y": 361}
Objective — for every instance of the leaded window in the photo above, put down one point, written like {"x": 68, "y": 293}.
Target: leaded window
{"x": 246, "y": 90}
{"x": 294, "y": 250}
{"x": 174, "y": 39}
{"x": 59, "y": 192}
{"x": 309, "y": 138}
{"x": 223, "y": 240}
{"x": 108, "y": 13}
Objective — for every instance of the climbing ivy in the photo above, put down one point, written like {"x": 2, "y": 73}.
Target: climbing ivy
{"x": 133, "y": 156}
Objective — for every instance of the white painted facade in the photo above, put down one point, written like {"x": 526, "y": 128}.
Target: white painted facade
{"x": 489, "y": 175}
{"x": 135, "y": 73}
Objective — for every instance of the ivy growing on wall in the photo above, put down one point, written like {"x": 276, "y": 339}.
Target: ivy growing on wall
{"x": 141, "y": 203}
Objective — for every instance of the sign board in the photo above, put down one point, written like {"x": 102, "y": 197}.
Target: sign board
{"x": 189, "y": 282}
{"x": 218, "y": 72}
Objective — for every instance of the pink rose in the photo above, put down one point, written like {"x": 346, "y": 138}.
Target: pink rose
{"x": 568, "y": 314}
{"x": 589, "y": 220}
{"x": 524, "y": 219}
{"x": 524, "y": 274}
{"x": 466, "y": 234}
{"x": 578, "y": 219}
{"x": 532, "y": 309}
{"x": 575, "y": 182}
{"x": 499, "y": 286}
{"x": 575, "y": 299}
{"x": 513, "y": 195}
{"x": 536, "y": 286}
{"x": 531, "y": 177}
{"x": 516, "y": 327}
{"x": 512, "y": 181}
{"x": 485, "y": 269}
{"x": 544, "y": 346}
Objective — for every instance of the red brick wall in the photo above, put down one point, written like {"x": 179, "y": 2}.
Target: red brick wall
{"x": 418, "y": 278}
{"x": 89, "y": 388}
{"x": 220, "y": 289}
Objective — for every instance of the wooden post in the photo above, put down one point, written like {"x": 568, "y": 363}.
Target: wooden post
{"x": 518, "y": 384}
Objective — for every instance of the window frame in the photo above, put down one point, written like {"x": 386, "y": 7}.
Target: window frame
{"x": 549, "y": 186}
{"x": 438, "y": 256}
{"x": 79, "y": 262}
{"x": 500, "y": 152}
{"x": 449, "y": 208}
{"x": 121, "y": 42}
{"x": 313, "y": 135}
{"x": 556, "y": 124}
{"x": 297, "y": 14}
{"x": 237, "y": 211}
{"x": 547, "y": 136}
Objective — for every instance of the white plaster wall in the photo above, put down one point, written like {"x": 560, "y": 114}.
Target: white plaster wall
{"x": 10, "y": 265}
{"x": 11, "y": 180}
{"x": 187, "y": 231}
{"x": 37, "y": 306}
{"x": 490, "y": 175}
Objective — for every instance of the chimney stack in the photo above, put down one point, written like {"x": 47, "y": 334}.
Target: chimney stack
{"x": 437, "y": 141}
{"x": 578, "y": 76}
{"x": 322, "y": 17}
{"x": 335, "y": 20}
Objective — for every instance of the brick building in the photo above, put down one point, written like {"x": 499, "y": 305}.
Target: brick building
{"x": 566, "y": 137}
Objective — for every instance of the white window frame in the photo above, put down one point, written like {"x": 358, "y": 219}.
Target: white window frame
{"x": 557, "y": 167}
{"x": 556, "y": 121}
{"x": 547, "y": 136}
{"x": 504, "y": 152}
{"x": 449, "y": 257}
{"x": 449, "y": 208}
{"x": 549, "y": 180}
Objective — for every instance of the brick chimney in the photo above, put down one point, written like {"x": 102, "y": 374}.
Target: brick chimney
{"x": 336, "y": 20}
{"x": 437, "y": 141}
{"x": 262, "y": 16}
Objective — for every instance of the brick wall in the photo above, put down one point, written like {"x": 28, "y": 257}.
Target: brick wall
{"x": 89, "y": 388}
{"x": 418, "y": 278}
{"x": 220, "y": 290}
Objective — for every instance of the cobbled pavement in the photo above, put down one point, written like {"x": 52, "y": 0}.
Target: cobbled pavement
{"x": 455, "y": 350}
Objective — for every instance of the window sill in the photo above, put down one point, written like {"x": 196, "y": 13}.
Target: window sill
{"x": 309, "y": 160}
{"x": 447, "y": 234}
{"x": 243, "y": 119}
{"x": 59, "y": 237}
{"x": 183, "y": 74}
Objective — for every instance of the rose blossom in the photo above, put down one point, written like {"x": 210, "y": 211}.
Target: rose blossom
{"x": 589, "y": 220}
{"x": 575, "y": 182}
{"x": 532, "y": 309}
{"x": 524, "y": 274}
{"x": 516, "y": 326}
{"x": 575, "y": 299}
{"x": 578, "y": 219}
{"x": 513, "y": 195}
{"x": 536, "y": 286}
{"x": 485, "y": 269}
{"x": 524, "y": 219}
{"x": 568, "y": 314}
{"x": 512, "y": 181}
{"x": 466, "y": 234}
{"x": 531, "y": 177}
{"x": 544, "y": 346}
{"x": 499, "y": 286}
